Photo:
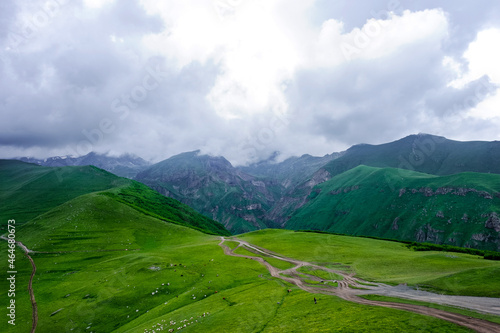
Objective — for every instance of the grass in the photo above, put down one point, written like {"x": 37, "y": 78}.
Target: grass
{"x": 465, "y": 312}
{"x": 167, "y": 280}
{"x": 231, "y": 244}
{"x": 103, "y": 265}
{"x": 320, "y": 273}
{"x": 28, "y": 190}
{"x": 389, "y": 262}
{"x": 298, "y": 313}
{"x": 143, "y": 199}
{"x": 391, "y": 204}
{"x": 280, "y": 264}
{"x": 92, "y": 287}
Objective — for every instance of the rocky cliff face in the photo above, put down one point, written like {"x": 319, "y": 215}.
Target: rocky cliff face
{"x": 243, "y": 198}
{"x": 215, "y": 188}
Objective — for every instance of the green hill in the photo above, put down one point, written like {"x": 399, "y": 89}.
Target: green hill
{"x": 103, "y": 266}
{"x": 28, "y": 190}
{"x": 459, "y": 209}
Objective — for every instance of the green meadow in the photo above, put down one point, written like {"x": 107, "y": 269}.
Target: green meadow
{"x": 280, "y": 264}
{"x": 388, "y": 262}
{"x": 124, "y": 260}
{"x": 138, "y": 272}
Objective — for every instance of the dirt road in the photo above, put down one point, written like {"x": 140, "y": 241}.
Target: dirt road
{"x": 346, "y": 291}
{"x": 30, "y": 288}
{"x": 33, "y": 271}
{"x": 30, "y": 284}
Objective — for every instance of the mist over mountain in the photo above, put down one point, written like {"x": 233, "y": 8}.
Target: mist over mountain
{"x": 126, "y": 165}
{"x": 291, "y": 193}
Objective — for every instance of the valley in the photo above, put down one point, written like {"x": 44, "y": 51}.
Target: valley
{"x": 114, "y": 255}
{"x": 421, "y": 188}
{"x": 249, "y": 166}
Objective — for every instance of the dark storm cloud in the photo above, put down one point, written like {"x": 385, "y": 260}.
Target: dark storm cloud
{"x": 76, "y": 79}
{"x": 54, "y": 88}
{"x": 369, "y": 100}
{"x": 452, "y": 101}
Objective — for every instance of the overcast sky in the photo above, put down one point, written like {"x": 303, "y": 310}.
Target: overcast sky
{"x": 243, "y": 78}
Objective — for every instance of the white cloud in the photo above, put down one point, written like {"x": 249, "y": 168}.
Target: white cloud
{"x": 259, "y": 45}
{"x": 377, "y": 37}
{"x": 243, "y": 78}
{"x": 96, "y": 4}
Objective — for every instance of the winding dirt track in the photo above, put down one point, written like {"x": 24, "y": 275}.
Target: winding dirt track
{"x": 30, "y": 287}
{"x": 34, "y": 313}
{"x": 33, "y": 271}
{"x": 345, "y": 291}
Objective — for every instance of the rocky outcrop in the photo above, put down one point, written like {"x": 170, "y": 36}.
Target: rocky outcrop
{"x": 345, "y": 189}
{"x": 429, "y": 234}
{"x": 319, "y": 177}
{"x": 460, "y": 191}
{"x": 493, "y": 222}
{"x": 395, "y": 225}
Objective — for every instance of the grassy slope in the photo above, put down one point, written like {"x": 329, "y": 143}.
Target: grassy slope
{"x": 28, "y": 190}
{"x": 390, "y": 262}
{"x": 369, "y": 201}
{"x": 150, "y": 202}
{"x": 280, "y": 264}
{"x": 113, "y": 291}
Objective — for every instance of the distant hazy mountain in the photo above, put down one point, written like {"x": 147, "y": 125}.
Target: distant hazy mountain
{"x": 124, "y": 166}
{"x": 291, "y": 171}
{"x": 240, "y": 198}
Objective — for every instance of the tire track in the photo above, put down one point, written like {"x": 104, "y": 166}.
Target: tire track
{"x": 345, "y": 292}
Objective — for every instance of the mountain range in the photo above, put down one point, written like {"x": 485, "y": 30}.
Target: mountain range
{"x": 108, "y": 254}
{"x": 419, "y": 188}
{"x": 124, "y": 166}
